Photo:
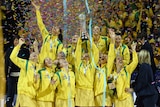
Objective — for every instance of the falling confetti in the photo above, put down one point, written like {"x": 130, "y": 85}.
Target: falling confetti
{"x": 53, "y": 14}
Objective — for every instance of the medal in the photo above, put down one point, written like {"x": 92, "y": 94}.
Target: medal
{"x": 51, "y": 45}
{"x": 85, "y": 72}
{"x": 47, "y": 75}
{"x": 99, "y": 74}
{"x": 85, "y": 69}
{"x": 67, "y": 77}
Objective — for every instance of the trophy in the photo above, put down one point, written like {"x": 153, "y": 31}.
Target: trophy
{"x": 82, "y": 19}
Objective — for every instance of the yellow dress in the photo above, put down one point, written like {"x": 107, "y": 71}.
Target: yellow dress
{"x": 100, "y": 86}
{"x": 65, "y": 87}
{"x": 85, "y": 72}
{"x": 101, "y": 79}
{"x": 123, "y": 98}
{"x": 45, "y": 94}
{"x": 26, "y": 90}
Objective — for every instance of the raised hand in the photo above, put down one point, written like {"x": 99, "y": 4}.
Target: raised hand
{"x": 133, "y": 46}
{"x": 55, "y": 31}
{"x": 36, "y": 6}
{"x": 35, "y": 43}
{"x": 21, "y": 41}
{"x": 112, "y": 35}
{"x": 87, "y": 35}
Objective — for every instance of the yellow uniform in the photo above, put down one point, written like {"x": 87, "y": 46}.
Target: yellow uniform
{"x": 51, "y": 45}
{"x": 103, "y": 44}
{"x": 132, "y": 15}
{"x": 26, "y": 89}
{"x": 149, "y": 12}
{"x": 121, "y": 6}
{"x": 70, "y": 55}
{"x": 116, "y": 24}
{"x": 45, "y": 95}
{"x": 130, "y": 23}
{"x": 85, "y": 72}
{"x": 65, "y": 86}
{"x": 139, "y": 17}
{"x": 123, "y": 50}
{"x": 124, "y": 15}
{"x": 101, "y": 77}
{"x": 99, "y": 83}
{"x": 149, "y": 22}
{"x": 124, "y": 99}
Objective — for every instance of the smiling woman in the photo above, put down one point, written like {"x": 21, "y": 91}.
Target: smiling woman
{"x": 2, "y": 76}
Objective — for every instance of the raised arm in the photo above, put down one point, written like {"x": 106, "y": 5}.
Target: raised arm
{"x": 111, "y": 53}
{"x": 126, "y": 53}
{"x": 60, "y": 47}
{"x": 35, "y": 46}
{"x": 40, "y": 23}
{"x": 131, "y": 67}
{"x": 21, "y": 63}
{"x": 92, "y": 49}
{"x": 78, "y": 52}
{"x": 95, "y": 52}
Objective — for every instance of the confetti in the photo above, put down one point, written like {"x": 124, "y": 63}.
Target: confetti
{"x": 22, "y": 13}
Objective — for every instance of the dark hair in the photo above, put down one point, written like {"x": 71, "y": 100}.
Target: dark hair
{"x": 24, "y": 52}
{"x": 15, "y": 37}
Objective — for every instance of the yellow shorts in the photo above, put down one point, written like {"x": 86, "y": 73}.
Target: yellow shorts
{"x": 84, "y": 97}
{"x": 25, "y": 101}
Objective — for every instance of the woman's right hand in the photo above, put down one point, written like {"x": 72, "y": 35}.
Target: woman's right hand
{"x": 21, "y": 41}
{"x": 35, "y": 43}
{"x": 112, "y": 35}
{"x": 133, "y": 46}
